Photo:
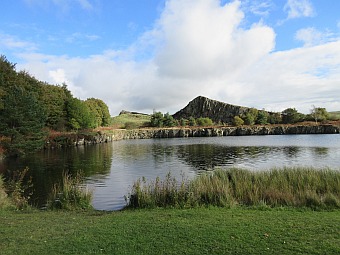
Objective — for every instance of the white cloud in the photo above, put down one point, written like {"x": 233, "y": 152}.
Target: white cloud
{"x": 200, "y": 48}
{"x": 11, "y": 42}
{"x": 258, "y": 7}
{"x": 299, "y": 8}
{"x": 311, "y": 36}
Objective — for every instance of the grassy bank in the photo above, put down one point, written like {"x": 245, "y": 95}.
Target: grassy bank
{"x": 171, "y": 231}
{"x": 294, "y": 187}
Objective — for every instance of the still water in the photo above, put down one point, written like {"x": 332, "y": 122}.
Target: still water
{"x": 110, "y": 169}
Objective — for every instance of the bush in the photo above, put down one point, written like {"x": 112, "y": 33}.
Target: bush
{"x": 204, "y": 122}
{"x": 238, "y": 121}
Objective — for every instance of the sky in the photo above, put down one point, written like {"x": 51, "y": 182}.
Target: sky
{"x": 157, "y": 55}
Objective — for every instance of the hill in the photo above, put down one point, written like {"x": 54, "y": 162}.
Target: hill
{"x": 208, "y": 108}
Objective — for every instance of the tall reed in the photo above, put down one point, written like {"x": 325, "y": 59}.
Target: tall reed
{"x": 296, "y": 187}
{"x": 70, "y": 194}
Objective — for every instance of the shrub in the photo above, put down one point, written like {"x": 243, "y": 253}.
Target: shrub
{"x": 238, "y": 121}
{"x": 204, "y": 122}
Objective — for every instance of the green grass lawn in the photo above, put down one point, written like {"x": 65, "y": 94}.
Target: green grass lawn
{"x": 171, "y": 231}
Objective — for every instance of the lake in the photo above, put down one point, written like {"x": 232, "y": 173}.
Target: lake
{"x": 110, "y": 169}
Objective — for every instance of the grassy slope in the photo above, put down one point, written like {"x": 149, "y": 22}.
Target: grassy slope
{"x": 172, "y": 231}
{"x": 138, "y": 119}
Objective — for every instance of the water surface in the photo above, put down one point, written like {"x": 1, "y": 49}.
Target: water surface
{"x": 111, "y": 169}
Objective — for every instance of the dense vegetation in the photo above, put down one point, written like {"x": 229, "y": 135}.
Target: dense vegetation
{"x": 294, "y": 187}
{"x": 29, "y": 108}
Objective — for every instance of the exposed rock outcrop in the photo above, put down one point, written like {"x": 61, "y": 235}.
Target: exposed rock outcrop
{"x": 120, "y": 134}
{"x": 217, "y": 111}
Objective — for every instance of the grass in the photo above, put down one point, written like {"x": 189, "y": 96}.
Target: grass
{"x": 294, "y": 187}
{"x": 171, "y": 231}
{"x": 70, "y": 195}
{"x": 334, "y": 115}
{"x": 130, "y": 120}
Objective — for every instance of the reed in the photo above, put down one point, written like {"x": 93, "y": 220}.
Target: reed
{"x": 70, "y": 194}
{"x": 293, "y": 187}
{"x": 5, "y": 202}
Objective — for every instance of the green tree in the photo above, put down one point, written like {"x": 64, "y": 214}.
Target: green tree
{"x": 192, "y": 121}
{"x": 204, "y": 122}
{"x": 262, "y": 117}
{"x": 251, "y": 116}
{"x": 168, "y": 120}
{"x": 157, "y": 119}
{"x": 291, "y": 115}
{"x": 22, "y": 120}
{"x": 319, "y": 114}
{"x": 275, "y": 118}
{"x": 79, "y": 115}
{"x": 238, "y": 121}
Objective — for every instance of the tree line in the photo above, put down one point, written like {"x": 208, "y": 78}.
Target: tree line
{"x": 29, "y": 108}
{"x": 251, "y": 117}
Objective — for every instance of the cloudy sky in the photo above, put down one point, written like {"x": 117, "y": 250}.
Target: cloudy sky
{"x": 145, "y": 55}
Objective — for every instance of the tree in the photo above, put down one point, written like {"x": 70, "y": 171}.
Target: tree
{"x": 157, "y": 120}
{"x": 79, "y": 115}
{"x": 275, "y": 118}
{"x": 291, "y": 115}
{"x": 262, "y": 117}
{"x": 168, "y": 120}
{"x": 204, "y": 122}
{"x": 238, "y": 121}
{"x": 251, "y": 116}
{"x": 319, "y": 114}
{"x": 22, "y": 120}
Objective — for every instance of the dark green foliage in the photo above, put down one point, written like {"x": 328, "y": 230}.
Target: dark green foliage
{"x": 291, "y": 116}
{"x": 275, "y": 118}
{"x": 192, "y": 121}
{"x": 79, "y": 115}
{"x": 60, "y": 108}
{"x": 99, "y": 111}
{"x": 250, "y": 117}
{"x": 168, "y": 120}
{"x": 157, "y": 119}
{"x": 22, "y": 120}
{"x": 262, "y": 117}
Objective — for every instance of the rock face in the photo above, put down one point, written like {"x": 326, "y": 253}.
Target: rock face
{"x": 120, "y": 134}
{"x": 208, "y": 108}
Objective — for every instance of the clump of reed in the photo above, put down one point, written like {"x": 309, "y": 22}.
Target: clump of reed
{"x": 70, "y": 194}
{"x": 293, "y": 187}
{"x": 16, "y": 190}
{"x": 5, "y": 202}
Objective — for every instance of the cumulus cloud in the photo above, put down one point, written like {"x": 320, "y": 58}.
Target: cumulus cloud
{"x": 299, "y": 8}
{"x": 200, "y": 48}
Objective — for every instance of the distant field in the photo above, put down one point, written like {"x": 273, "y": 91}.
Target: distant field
{"x": 130, "y": 120}
{"x": 334, "y": 115}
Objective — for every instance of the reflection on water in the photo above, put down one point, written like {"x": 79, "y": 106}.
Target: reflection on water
{"x": 111, "y": 169}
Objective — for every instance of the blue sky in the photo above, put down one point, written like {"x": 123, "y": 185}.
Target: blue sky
{"x": 146, "y": 55}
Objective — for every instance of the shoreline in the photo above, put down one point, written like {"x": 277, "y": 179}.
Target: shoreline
{"x": 106, "y": 136}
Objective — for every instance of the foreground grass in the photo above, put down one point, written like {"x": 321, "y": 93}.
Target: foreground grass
{"x": 171, "y": 231}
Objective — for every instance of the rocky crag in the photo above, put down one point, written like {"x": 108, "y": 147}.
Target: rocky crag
{"x": 217, "y": 111}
